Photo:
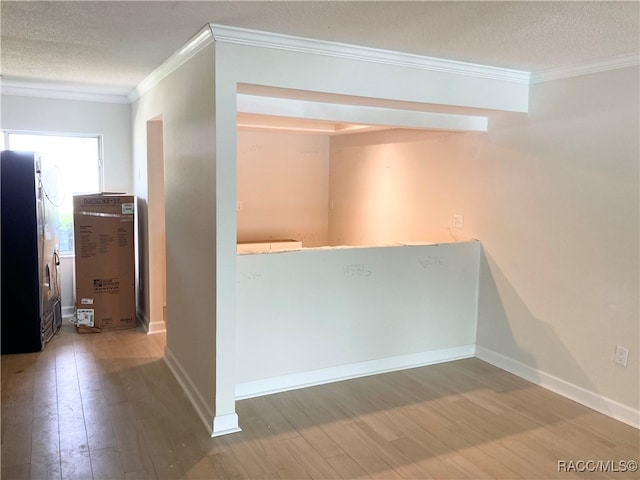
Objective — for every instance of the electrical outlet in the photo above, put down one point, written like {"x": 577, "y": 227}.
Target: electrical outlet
{"x": 622, "y": 355}
{"x": 239, "y": 205}
{"x": 458, "y": 221}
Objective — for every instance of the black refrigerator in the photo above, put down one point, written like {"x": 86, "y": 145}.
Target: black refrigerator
{"x": 31, "y": 303}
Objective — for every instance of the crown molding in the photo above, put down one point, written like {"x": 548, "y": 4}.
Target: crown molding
{"x": 196, "y": 44}
{"x": 242, "y": 36}
{"x": 613, "y": 63}
{"x": 58, "y": 91}
{"x": 211, "y": 33}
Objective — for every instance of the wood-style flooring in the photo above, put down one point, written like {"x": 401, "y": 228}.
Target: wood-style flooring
{"x": 105, "y": 406}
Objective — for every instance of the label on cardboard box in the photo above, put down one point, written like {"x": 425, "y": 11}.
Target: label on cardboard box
{"x": 86, "y": 301}
{"x": 106, "y": 285}
{"x": 127, "y": 208}
{"x": 100, "y": 200}
{"x": 85, "y": 316}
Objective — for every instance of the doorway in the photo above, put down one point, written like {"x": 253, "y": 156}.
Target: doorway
{"x": 155, "y": 223}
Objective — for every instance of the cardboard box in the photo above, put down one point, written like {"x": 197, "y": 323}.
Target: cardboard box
{"x": 105, "y": 263}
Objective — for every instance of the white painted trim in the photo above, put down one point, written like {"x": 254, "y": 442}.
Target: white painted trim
{"x": 576, "y": 393}
{"x": 328, "y": 130}
{"x": 150, "y": 327}
{"x": 354, "y": 370}
{"x": 613, "y": 63}
{"x": 225, "y": 424}
{"x": 243, "y": 36}
{"x": 156, "y": 327}
{"x": 359, "y": 114}
{"x": 189, "y": 388}
{"x": 59, "y": 92}
{"x": 196, "y": 44}
{"x": 68, "y": 312}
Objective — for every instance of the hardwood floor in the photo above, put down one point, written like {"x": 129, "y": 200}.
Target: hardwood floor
{"x": 105, "y": 406}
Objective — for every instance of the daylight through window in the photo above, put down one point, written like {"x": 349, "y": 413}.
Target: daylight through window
{"x": 77, "y": 162}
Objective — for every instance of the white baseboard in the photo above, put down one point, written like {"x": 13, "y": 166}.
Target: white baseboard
{"x": 193, "y": 394}
{"x": 294, "y": 381}
{"x": 68, "y": 311}
{"x": 156, "y": 327}
{"x": 150, "y": 327}
{"x": 576, "y": 393}
{"x": 225, "y": 424}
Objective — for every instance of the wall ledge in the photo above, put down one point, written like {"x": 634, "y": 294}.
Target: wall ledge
{"x": 590, "y": 399}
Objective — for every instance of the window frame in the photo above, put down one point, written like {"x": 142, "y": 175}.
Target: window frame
{"x": 6, "y": 133}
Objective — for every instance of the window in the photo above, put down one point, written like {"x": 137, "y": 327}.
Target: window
{"x": 76, "y": 158}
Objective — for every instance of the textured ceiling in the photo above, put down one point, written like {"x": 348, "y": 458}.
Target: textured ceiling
{"x": 112, "y": 46}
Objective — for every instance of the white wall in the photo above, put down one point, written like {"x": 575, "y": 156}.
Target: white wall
{"x": 396, "y": 186}
{"x": 283, "y": 184}
{"x": 255, "y": 65}
{"x": 511, "y": 185}
{"x": 554, "y": 199}
{"x": 359, "y": 309}
{"x": 190, "y": 217}
{"x": 151, "y": 254}
{"x": 112, "y": 121}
